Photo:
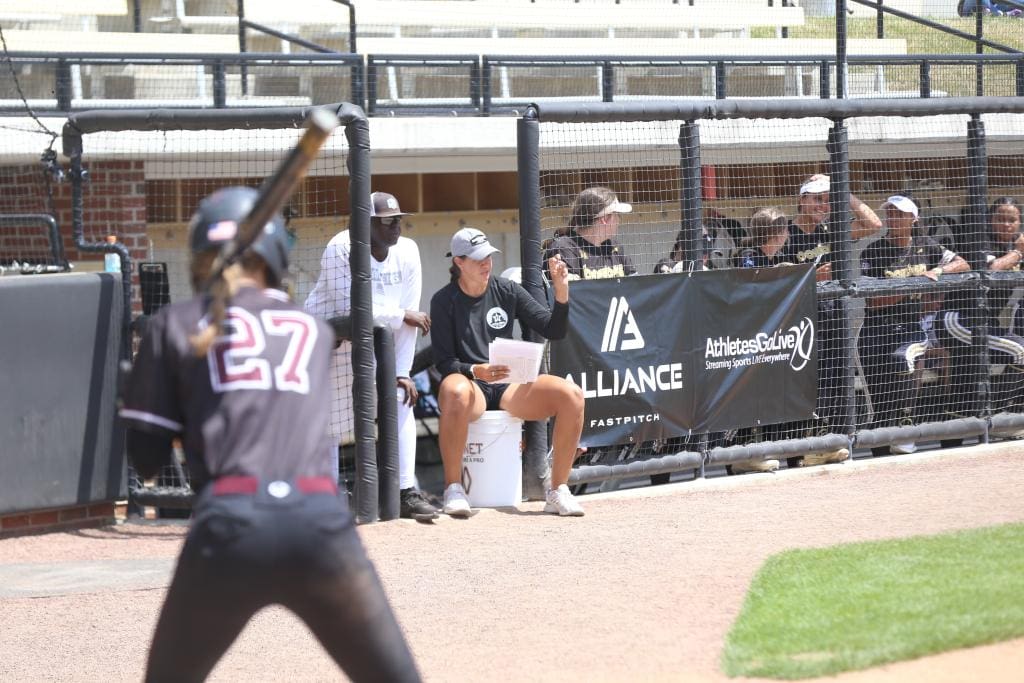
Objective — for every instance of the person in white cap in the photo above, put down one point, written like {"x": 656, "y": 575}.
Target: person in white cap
{"x": 811, "y": 241}
{"x": 468, "y": 314}
{"x": 397, "y": 278}
{"x": 589, "y": 248}
{"x": 892, "y": 339}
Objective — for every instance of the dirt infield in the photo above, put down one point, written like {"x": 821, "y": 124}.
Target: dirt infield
{"x": 644, "y": 587}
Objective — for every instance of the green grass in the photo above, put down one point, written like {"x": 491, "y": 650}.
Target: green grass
{"x": 820, "y": 612}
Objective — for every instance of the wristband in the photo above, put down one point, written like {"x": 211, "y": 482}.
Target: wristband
{"x": 1019, "y": 253}
{"x": 939, "y": 270}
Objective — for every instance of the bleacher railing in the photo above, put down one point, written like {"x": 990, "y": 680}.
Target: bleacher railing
{"x": 471, "y": 84}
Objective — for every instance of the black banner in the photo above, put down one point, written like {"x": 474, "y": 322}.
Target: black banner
{"x": 662, "y": 355}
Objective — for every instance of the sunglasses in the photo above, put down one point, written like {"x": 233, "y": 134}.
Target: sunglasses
{"x": 390, "y": 222}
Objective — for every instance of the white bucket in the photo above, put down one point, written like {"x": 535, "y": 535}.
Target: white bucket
{"x": 492, "y": 464}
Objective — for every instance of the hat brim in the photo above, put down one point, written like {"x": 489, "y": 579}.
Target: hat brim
{"x": 482, "y": 251}
{"x": 913, "y": 211}
{"x": 391, "y": 214}
{"x": 815, "y": 186}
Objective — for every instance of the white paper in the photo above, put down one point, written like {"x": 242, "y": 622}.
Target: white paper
{"x": 522, "y": 357}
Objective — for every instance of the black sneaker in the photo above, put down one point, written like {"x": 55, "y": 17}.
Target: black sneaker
{"x": 414, "y": 505}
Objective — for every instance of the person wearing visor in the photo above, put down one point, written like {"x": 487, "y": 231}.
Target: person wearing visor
{"x": 468, "y": 314}
{"x": 892, "y": 339}
{"x": 397, "y": 278}
{"x": 589, "y": 248}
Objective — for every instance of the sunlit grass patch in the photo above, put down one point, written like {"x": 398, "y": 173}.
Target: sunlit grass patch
{"x": 819, "y": 612}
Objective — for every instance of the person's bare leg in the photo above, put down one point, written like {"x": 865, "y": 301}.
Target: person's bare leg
{"x": 551, "y": 396}
{"x": 460, "y": 402}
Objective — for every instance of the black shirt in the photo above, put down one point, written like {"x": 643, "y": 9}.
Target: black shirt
{"x": 752, "y": 257}
{"x": 255, "y": 405}
{"x": 806, "y": 247}
{"x": 885, "y": 259}
{"x": 462, "y": 327}
{"x": 588, "y": 261}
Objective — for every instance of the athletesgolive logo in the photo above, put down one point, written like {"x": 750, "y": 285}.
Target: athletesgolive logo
{"x": 795, "y": 345}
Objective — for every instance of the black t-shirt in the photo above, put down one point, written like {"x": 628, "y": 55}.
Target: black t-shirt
{"x": 255, "y": 405}
{"x": 462, "y": 327}
{"x": 588, "y": 261}
{"x": 885, "y": 259}
{"x": 752, "y": 257}
{"x": 806, "y": 247}
{"x": 998, "y": 297}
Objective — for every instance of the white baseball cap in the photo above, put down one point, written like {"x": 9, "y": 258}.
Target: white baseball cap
{"x": 815, "y": 185}
{"x": 904, "y": 204}
{"x": 473, "y": 244}
{"x": 615, "y": 207}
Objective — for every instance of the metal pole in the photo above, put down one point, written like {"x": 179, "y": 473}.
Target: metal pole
{"x": 690, "y": 196}
{"x": 842, "y": 272}
{"x": 841, "y": 49}
{"x": 243, "y": 67}
{"x": 979, "y": 48}
{"x": 535, "y": 435}
{"x": 387, "y": 422}
{"x": 977, "y": 245}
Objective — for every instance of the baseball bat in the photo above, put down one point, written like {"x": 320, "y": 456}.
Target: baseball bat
{"x": 276, "y": 189}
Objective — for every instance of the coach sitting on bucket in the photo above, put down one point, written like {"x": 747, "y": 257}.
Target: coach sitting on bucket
{"x": 468, "y": 314}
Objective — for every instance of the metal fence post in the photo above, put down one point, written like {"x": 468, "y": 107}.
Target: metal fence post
{"x": 535, "y": 436}
{"x": 690, "y": 196}
{"x": 220, "y": 89}
{"x": 842, "y": 270}
{"x": 977, "y": 244}
{"x": 387, "y": 422}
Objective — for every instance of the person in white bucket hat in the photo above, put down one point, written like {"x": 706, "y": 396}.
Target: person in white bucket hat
{"x": 468, "y": 314}
{"x": 589, "y": 247}
{"x": 893, "y": 339}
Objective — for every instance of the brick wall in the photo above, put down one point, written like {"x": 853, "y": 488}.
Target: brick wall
{"x": 38, "y": 521}
{"x": 114, "y": 204}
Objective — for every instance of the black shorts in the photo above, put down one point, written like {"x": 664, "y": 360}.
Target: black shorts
{"x": 492, "y": 393}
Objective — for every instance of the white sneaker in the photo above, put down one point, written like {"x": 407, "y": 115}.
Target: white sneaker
{"x": 770, "y": 465}
{"x": 561, "y": 502}
{"x": 827, "y": 457}
{"x": 455, "y": 502}
{"x": 903, "y": 448}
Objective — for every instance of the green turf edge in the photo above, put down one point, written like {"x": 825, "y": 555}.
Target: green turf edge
{"x": 823, "y": 611}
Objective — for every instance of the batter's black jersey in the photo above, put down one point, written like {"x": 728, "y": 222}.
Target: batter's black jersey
{"x": 885, "y": 259}
{"x": 236, "y": 409}
{"x": 590, "y": 261}
{"x": 462, "y": 327}
{"x": 807, "y": 247}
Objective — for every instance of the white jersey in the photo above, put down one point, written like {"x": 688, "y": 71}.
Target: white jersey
{"x": 397, "y": 283}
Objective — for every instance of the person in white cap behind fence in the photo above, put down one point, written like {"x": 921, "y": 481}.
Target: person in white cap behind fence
{"x": 468, "y": 314}
{"x": 892, "y": 339}
{"x": 810, "y": 240}
{"x": 397, "y": 278}
{"x": 588, "y": 247}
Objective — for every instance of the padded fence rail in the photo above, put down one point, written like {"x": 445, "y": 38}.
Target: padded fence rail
{"x": 907, "y": 210}
{"x": 214, "y": 148}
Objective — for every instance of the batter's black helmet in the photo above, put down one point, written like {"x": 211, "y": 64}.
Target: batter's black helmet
{"x": 216, "y": 220}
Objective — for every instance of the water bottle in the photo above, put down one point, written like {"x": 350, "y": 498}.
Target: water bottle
{"x": 112, "y": 260}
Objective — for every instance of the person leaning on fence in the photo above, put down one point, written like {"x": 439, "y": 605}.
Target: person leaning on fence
{"x": 240, "y": 374}
{"x": 1005, "y": 345}
{"x": 588, "y": 247}
{"x": 892, "y": 340}
{"x": 674, "y": 263}
{"x": 469, "y": 313}
{"x": 766, "y": 241}
{"x": 397, "y": 279}
{"x": 811, "y": 241}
